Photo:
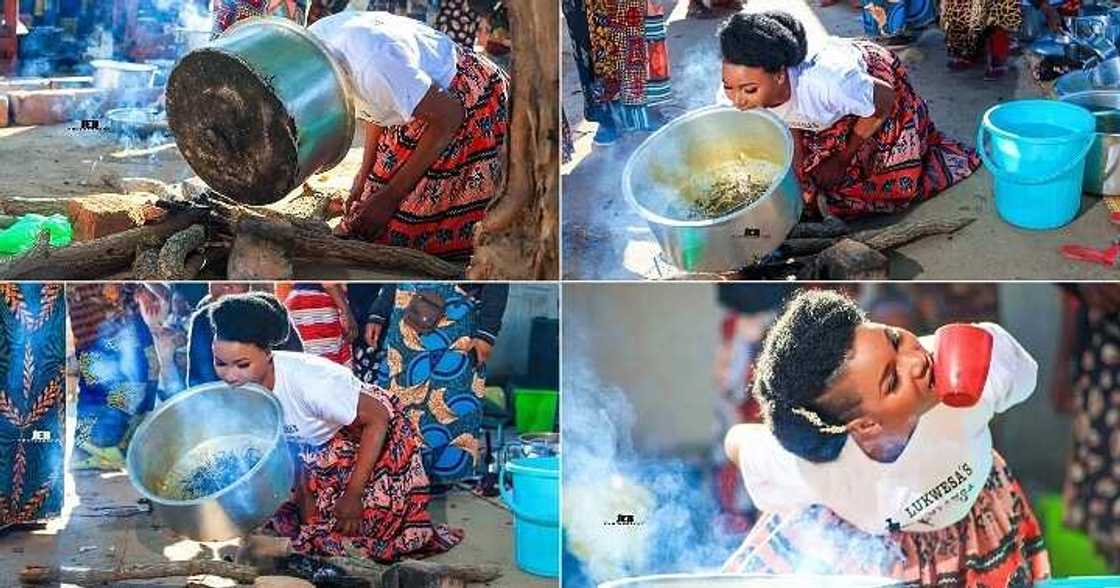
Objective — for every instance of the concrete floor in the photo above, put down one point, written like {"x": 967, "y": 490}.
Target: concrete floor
{"x": 106, "y": 528}
{"x": 605, "y": 239}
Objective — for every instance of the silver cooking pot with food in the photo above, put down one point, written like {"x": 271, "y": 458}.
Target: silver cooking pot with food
{"x": 1102, "y": 165}
{"x": 656, "y": 173}
{"x": 201, "y": 422}
{"x": 260, "y": 109}
{"x": 751, "y": 581}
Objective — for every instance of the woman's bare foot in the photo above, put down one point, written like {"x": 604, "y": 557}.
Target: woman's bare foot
{"x": 263, "y": 551}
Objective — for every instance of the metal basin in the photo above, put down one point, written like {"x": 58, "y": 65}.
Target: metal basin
{"x": 663, "y": 163}
{"x": 110, "y": 75}
{"x": 1102, "y": 165}
{"x": 194, "y": 425}
{"x": 751, "y": 581}
{"x": 138, "y": 123}
{"x": 260, "y": 109}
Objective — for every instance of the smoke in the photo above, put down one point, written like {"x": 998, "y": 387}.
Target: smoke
{"x": 627, "y": 514}
{"x": 192, "y": 17}
{"x": 697, "y": 80}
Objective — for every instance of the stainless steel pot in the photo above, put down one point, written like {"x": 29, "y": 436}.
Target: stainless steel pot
{"x": 705, "y": 137}
{"x": 1102, "y": 165}
{"x": 751, "y": 581}
{"x": 213, "y": 415}
{"x": 260, "y": 109}
{"x": 119, "y": 75}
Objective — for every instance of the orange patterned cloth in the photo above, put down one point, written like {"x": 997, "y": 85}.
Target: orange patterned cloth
{"x": 395, "y": 520}
{"x": 999, "y": 543}
{"x": 440, "y": 213}
{"x": 912, "y": 160}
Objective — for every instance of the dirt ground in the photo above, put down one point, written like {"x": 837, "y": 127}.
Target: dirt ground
{"x": 605, "y": 239}
{"x": 103, "y": 526}
{"x": 60, "y": 161}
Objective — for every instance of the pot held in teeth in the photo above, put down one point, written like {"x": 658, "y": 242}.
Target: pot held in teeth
{"x": 260, "y": 109}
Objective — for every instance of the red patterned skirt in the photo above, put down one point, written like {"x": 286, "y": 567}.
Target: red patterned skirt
{"x": 999, "y": 543}
{"x": 440, "y": 213}
{"x": 395, "y": 521}
{"x": 913, "y": 161}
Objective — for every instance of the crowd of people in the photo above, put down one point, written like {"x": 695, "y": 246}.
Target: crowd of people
{"x": 396, "y": 371}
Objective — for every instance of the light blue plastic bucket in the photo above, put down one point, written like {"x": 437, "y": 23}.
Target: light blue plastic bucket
{"x": 1036, "y": 151}
{"x": 535, "y": 502}
{"x": 1082, "y": 582}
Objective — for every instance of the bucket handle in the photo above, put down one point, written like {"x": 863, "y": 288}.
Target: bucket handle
{"x": 507, "y": 497}
{"x": 983, "y": 150}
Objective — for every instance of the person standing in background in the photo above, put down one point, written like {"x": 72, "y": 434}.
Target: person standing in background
{"x": 748, "y": 311}
{"x": 893, "y": 23}
{"x": 623, "y": 63}
{"x": 117, "y": 378}
{"x": 360, "y": 297}
{"x": 321, "y": 315}
{"x": 975, "y": 28}
{"x": 1084, "y": 384}
{"x": 438, "y": 339}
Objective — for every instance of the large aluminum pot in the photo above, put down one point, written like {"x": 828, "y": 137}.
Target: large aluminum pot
{"x": 118, "y": 75}
{"x": 213, "y": 416}
{"x": 751, "y": 581}
{"x": 708, "y": 136}
{"x": 260, "y": 109}
{"x": 1102, "y": 165}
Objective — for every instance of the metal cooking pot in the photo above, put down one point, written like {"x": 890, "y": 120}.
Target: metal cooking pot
{"x": 213, "y": 415}
{"x": 117, "y": 75}
{"x": 1102, "y": 165}
{"x": 750, "y": 581}
{"x": 137, "y": 123}
{"x": 709, "y": 136}
{"x": 260, "y": 109}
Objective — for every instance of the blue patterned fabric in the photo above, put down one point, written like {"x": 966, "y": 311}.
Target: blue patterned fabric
{"x": 890, "y": 18}
{"x": 438, "y": 381}
{"x": 32, "y": 401}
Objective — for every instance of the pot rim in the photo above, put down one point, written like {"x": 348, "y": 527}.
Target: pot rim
{"x": 651, "y": 216}
{"x": 1074, "y": 97}
{"x": 341, "y": 74}
{"x": 142, "y": 430}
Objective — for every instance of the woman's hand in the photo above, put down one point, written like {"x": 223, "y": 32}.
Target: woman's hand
{"x": 373, "y": 333}
{"x": 831, "y": 171}
{"x": 482, "y": 349}
{"x": 348, "y": 514}
{"x": 375, "y": 212}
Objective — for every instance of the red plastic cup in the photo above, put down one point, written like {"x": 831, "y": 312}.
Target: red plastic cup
{"x": 960, "y": 363}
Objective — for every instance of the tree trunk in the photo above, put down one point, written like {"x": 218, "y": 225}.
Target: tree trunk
{"x": 518, "y": 238}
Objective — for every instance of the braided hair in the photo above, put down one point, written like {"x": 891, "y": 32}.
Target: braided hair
{"x": 771, "y": 40}
{"x": 256, "y": 317}
{"x": 803, "y": 354}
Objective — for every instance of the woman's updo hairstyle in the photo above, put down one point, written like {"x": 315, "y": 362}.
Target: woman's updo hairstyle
{"x": 770, "y": 40}
{"x": 804, "y": 351}
{"x": 256, "y": 317}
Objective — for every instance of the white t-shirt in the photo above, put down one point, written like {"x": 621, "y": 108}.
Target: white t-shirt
{"x": 933, "y": 483}
{"x": 830, "y": 84}
{"x": 318, "y": 396}
{"x": 393, "y": 61}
